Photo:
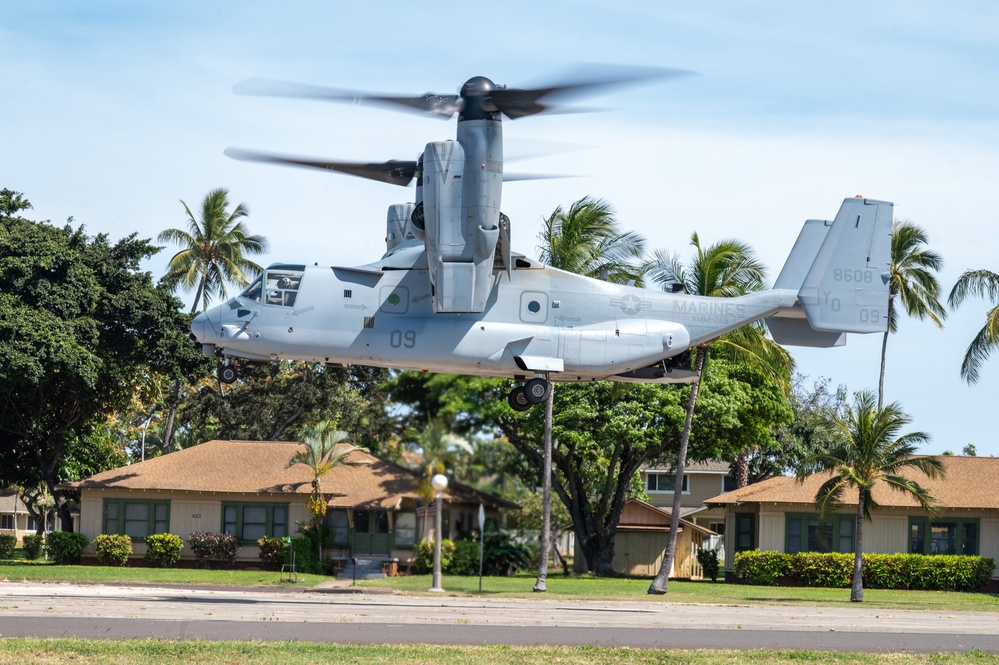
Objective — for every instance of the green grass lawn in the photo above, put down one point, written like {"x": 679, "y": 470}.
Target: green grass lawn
{"x": 559, "y": 587}
{"x": 160, "y": 652}
{"x": 37, "y": 571}
{"x": 699, "y": 591}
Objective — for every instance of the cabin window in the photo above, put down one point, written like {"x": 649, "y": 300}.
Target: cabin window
{"x": 951, "y": 536}
{"x": 282, "y": 287}
{"x": 665, "y": 482}
{"x": 250, "y": 522}
{"x": 807, "y": 533}
{"x": 136, "y": 519}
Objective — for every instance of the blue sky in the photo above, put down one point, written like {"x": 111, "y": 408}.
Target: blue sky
{"x": 114, "y": 111}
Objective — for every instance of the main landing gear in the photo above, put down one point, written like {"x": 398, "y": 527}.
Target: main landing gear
{"x": 534, "y": 391}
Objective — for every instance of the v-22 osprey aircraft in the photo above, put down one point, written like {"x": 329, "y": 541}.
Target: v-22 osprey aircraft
{"x": 450, "y": 295}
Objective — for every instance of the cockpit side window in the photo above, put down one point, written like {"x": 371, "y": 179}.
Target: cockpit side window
{"x": 282, "y": 287}
{"x": 254, "y": 290}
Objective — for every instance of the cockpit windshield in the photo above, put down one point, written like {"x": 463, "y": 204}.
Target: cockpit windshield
{"x": 282, "y": 287}
{"x": 253, "y": 291}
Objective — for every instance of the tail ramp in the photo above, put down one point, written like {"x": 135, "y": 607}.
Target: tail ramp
{"x": 840, "y": 270}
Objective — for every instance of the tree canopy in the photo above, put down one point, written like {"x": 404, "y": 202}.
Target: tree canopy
{"x": 79, "y": 322}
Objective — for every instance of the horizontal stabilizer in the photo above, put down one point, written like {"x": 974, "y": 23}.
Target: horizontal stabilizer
{"x": 797, "y": 332}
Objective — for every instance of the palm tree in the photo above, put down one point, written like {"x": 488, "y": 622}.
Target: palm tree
{"x": 911, "y": 278}
{"x": 214, "y": 249}
{"x": 325, "y": 447}
{"x": 983, "y": 284}
{"x": 726, "y": 269}
{"x": 585, "y": 240}
{"x": 440, "y": 449}
{"x": 872, "y": 452}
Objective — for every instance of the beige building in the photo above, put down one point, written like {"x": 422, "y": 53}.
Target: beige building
{"x": 701, "y": 481}
{"x": 640, "y": 542}
{"x": 779, "y": 515}
{"x": 13, "y": 515}
{"x": 244, "y": 488}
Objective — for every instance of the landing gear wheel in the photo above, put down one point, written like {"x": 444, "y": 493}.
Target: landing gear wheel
{"x": 518, "y": 400}
{"x": 536, "y": 390}
{"x": 227, "y": 373}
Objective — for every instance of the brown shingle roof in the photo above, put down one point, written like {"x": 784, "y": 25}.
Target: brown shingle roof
{"x": 258, "y": 467}
{"x": 969, "y": 482}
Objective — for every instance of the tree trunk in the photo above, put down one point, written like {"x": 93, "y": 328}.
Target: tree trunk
{"x": 857, "y": 590}
{"x": 884, "y": 351}
{"x": 742, "y": 469}
{"x": 659, "y": 584}
{"x": 546, "y": 495}
{"x": 174, "y": 401}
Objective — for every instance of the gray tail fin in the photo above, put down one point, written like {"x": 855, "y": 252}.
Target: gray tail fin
{"x": 840, "y": 270}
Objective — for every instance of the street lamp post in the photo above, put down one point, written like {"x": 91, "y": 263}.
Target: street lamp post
{"x": 439, "y": 483}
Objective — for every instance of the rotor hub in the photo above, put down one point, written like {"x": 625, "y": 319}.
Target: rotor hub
{"x": 477, "y": 97}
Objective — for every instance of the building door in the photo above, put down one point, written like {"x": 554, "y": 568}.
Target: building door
{"x": 372, "y": 535}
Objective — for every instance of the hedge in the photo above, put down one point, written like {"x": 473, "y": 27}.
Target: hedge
{"x": 65, "y": 547}
{"x": 880, "y": 571}
{"x": 7, "y": 545}
{"x": 164, "y": 549}
{"x": 32, "y": 546}
{"x": 218, "y": 548}
{"x": 113, "y": 549}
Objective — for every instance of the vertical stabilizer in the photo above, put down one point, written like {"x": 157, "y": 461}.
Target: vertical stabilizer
{"x": 846, "y": 289}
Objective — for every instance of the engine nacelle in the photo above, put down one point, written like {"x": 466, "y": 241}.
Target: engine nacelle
{"x": 397, "y": 225}
{"x": 460, "y": 219}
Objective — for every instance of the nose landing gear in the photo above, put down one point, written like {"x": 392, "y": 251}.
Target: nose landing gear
{"x": 534, "y": 391}
{"x": 227, "y": 373}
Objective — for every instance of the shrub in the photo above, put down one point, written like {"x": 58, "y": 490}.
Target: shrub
{"x": 217, "y": 548}
{"x": 306, "y": 560}
{"x": 7, "y": 545}
{"x": 271, "y": 551}
{"x": 880, "y": 571}
{"x": 762, "y": 568}
{"x": 164, "y": 549}
{"x": 65, "y": 547}
{"x": 465, "y": 560}
{"x": 32, "y": 546}
{"x": 424, "y": 562}
{"x": 113, "y": 549}
{"x": 505, "y": 556}
{"x": 708, "y": 558}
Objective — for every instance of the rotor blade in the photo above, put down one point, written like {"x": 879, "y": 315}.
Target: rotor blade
{"x": 443, "y": 106}
{"x": 521, "y": 102}
{"x": 518, "y": 177}
{"x": 393, "y": 172}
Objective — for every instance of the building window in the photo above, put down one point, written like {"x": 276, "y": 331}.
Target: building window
{"x": 250, "y": 522}
{"x": 807, "y": 533}
{"x": 7, "y": 522}
{"x": 405, "y": 529}
{"x": 952, "y": 536}
{"x": 717, "y": 527}
{"x": 136, "y": 519}
{"x": 665, "y": 482}
{"x": 745, "y": 532}
{"x": 339, "y": 527}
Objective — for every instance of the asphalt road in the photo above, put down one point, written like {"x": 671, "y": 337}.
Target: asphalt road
{"x": 116, "y": 612}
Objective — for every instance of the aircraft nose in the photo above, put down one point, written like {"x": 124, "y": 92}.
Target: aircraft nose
{"x": 200, "y": 329}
